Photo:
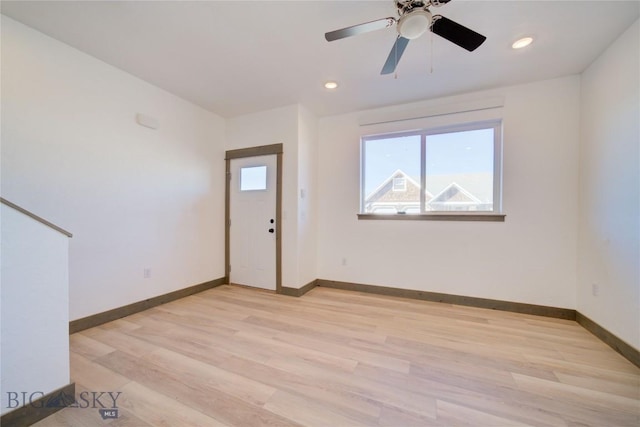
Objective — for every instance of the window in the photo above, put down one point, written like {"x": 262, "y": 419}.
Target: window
{"x": 253, "y": 178}
{"x": 399, "y": 184}
{"x": 450, "y": 169}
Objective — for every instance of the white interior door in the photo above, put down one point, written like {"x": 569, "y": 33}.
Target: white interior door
{"x": 252, "y": 236}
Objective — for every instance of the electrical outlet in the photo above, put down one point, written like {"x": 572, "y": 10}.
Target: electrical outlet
{"x": 595, "y": 289}
{"x": 146, "y": 272}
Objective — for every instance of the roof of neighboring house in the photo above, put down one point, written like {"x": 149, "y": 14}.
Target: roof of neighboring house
{"x": 471, "y": 187}
{"x": 479, "y": 185}
{"x": 454, "y": 193}
{"x": 384, "y": 192}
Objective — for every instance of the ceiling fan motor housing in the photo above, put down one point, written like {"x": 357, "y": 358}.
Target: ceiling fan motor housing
{"x": 413, "y": 24}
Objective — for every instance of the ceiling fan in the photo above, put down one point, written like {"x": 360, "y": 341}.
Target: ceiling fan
{"x": 414, "y": 19}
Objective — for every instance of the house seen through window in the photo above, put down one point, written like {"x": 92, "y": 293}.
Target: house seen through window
{"x": 449, "y": 169}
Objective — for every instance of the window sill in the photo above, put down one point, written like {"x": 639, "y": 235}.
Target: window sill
{"x": 488, "y": 216}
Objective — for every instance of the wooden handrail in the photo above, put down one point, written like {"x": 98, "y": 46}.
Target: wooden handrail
{"x": 36, "y": 217}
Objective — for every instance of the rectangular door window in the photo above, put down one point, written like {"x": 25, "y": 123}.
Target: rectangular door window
{"x": 253, "y": 178}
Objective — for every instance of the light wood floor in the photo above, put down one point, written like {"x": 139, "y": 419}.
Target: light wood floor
{"x": 241, "y": 357}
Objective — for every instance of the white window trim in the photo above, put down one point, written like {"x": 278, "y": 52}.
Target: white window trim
{"x": 494, "y": 215}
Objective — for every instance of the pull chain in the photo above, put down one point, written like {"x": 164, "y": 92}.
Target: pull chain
{"x": 395, "y": 52}
{"x": 431, "y": 53}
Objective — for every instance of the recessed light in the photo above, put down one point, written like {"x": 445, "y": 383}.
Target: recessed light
{"x": 331, "y": 85}
{"x": 523, "y": 42}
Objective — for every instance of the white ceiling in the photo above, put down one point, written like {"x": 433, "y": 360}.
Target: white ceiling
{"x": 237, "y": 57}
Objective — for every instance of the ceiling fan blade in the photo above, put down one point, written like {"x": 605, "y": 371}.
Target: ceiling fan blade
{"x": 359, "y": 29}
{"x": 456, "y": 33}
{"x": 394, "y": 56}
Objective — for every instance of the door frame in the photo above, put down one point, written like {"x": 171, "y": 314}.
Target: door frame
{"x": 262, "y": 150}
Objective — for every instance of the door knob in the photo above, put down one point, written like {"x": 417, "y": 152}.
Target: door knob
{"x": 271, "y": 230}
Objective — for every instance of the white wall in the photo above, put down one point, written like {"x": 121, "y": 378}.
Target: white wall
{"x": 137, "y": 198}
{"x": 277, "y": 126}
{"x": 35, "y": 308}
{"x": 307, "y": 195}
{"x": 134, "y": 198}
{"x": 529, "y": 258}
{"x": 295, "y": 127}
{"x": 609, "y": 234}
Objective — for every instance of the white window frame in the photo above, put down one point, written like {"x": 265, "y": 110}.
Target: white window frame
{"x": 494, "y": 215}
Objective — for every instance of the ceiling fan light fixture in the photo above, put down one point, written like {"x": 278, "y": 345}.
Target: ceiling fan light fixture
{"x": 523, "y": 42}
{"x": 415, "y": 23}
